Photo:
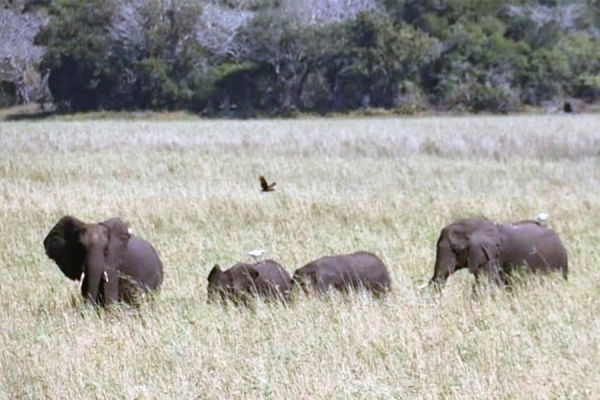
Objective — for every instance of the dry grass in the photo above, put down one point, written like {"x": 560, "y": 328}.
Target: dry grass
{"x": 384, "y": 185}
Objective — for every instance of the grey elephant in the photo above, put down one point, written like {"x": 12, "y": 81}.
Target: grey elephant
{"x": 111, "y": 264}
{"x": 498, "y": 250}
{"x": 360, "y": 270}
{"x": 243, "y": 281}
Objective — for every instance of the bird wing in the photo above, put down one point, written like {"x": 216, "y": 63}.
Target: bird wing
{"x": 263, "y": 183}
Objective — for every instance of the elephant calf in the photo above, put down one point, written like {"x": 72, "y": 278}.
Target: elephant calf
{"x": 497, "y": 250}
{"x": 110, "y": 263}
{"x": 267, "y": 279}
{"x": 357, "y": 271}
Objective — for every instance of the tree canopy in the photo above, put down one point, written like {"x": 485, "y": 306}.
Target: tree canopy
{"x": 276, "y": 57}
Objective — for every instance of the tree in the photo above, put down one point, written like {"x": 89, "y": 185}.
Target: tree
{"x": 477, "y": 68}
{"x": 287, "y": 51}
{"x": 377, "y": 60}
{"x": 124, "y": 55}
{"x": 168, "y": 63}
{"x": 77, "y": 53}
{"x": 19, "y": 57}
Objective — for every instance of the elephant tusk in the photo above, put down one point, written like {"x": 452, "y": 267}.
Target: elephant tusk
{"x": 105, "y": 275}
{"x": 81, "y": 280}
{"x": 423, "y": 286}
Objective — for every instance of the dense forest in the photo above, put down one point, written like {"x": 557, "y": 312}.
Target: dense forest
{"x": 280, "y": 57}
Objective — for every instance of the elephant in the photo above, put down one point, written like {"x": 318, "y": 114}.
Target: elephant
{"x": 498, "y": 250}
{"x": 360, "y": 270}
{"x": 110, "y": 263}
{"x": 267, "y": 279}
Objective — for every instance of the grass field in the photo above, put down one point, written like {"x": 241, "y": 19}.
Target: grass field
{"x": 383, "y": 185}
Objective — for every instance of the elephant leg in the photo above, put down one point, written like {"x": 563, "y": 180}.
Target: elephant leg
{"x": 476, "y": 286}
{"x": 508, "y": 279}
{"x": 492, "y": 271}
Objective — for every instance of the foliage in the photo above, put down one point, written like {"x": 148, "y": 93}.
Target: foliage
{"x": 378, "y": 57}
{"x": 77, "y": 46}
{"x": 109, "y": 55}
{"x": 254, "y": 57}
{"x": 481, "y": 66}
{"x": 285, "y": 53}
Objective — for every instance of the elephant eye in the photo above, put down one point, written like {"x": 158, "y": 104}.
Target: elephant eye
{"x": 106, "y": 251}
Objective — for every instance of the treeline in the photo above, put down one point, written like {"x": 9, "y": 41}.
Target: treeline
{"x": 257, "y": 57}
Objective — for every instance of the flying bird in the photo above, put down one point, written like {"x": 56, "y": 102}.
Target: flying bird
{"x": 265, "y": 186}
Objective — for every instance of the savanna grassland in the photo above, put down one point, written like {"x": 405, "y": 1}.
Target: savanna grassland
{"x": 384, "y": 185}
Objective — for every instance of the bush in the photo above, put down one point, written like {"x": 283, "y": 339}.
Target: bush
{"x": 588, "y": 87}
{"x": 8, "y": 94}
{"x": 495, "y": 99}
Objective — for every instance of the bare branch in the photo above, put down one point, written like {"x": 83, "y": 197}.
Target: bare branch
{"x": 326, "y": 11}
{"x": 19, "y": 57}
{"x": 217, "y": 29}
{"x": 16, "y": 47}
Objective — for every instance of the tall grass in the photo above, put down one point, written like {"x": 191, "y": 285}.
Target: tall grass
{"x": 383, "y": 185}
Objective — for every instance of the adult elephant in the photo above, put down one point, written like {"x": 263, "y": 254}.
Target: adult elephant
{"x": 497, "y": 250}
{"x": 111, "y": 264}
{"x": 243, "y": 281}
{"x": 360, "y": 270}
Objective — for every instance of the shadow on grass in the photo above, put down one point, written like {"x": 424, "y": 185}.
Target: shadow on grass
{"x": 29, "y": 116}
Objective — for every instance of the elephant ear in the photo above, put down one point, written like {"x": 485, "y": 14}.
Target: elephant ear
{"x": 214, "y": 273}
{"x": 252, "y": 272}
{"x": 62, "y": 245}
{"x": 458, "y": 238}
{"x": 484, "y": 247}
{"x": 118, "y": 237}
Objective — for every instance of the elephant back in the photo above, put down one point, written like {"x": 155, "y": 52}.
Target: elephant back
{"x": 359, "y": 270}
{"x": 272, "y": 278}
{"x": 538, "y": 247}
{"x": 142, "y": 264}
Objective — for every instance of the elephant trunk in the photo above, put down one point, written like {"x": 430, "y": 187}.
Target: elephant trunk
{"x": 445, "y": 263}
{"x": 94, "y": 271}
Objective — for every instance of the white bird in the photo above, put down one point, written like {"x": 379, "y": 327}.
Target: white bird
{"x": 256, "y": 253}
{"x": 541, "y": 218}
{"x": 130, "y": 231}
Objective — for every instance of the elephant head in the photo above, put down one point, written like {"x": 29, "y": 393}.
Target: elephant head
{"x": 238, "y": 281}
{"x": 91, "y": 253}
{"x": 218, "y": 283}
{"x": 472, "y": 243}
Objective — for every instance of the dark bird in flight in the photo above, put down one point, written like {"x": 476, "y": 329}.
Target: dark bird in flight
{"x": 266, "y": 187}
